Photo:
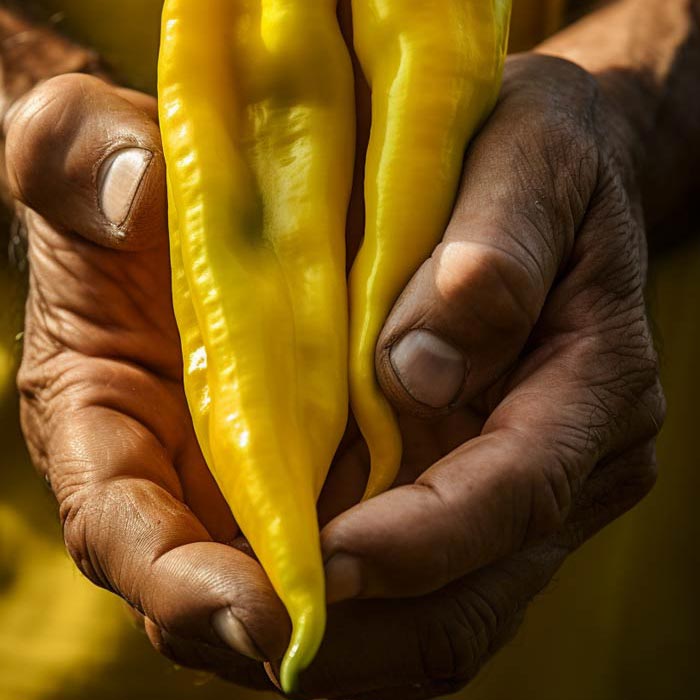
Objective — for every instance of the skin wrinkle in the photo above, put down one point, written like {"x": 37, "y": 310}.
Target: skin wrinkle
{"x": 477, "y": 623}
{"x": 475, "y": 645}
{"x": 132, "y": 313}
{"x": 107, "y": 496}
{"x": 558, "y": 495}
{"x": 500, "y": 420}
{"x": 532, "y": 531}
{"x": 78, "y": 380}
{"x": 445, "y": 557}
{"x": 549, "y": 245}
{"x": 626, "y": 481}
{"x": 206, "y": 657}
{"x": 16, "y": 186}
{"x": 431, "y": 645}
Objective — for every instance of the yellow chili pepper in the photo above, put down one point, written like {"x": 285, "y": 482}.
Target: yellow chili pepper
{"x": 257, "y": 116}
{"x": 434, "y": 69}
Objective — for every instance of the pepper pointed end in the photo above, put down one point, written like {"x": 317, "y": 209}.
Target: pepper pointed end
{"x": 307, "y": 635}
{"x": 385, "y": 461}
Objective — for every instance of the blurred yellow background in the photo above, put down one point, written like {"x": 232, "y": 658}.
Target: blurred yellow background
{"x": 619, "y": 621}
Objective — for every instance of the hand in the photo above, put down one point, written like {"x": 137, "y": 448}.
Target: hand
{"x": 103, "y": 408}
{"x": 521, "y": 361}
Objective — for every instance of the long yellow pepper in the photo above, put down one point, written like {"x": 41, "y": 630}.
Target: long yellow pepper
{"x": 434, "y": 69}
{"x": 257, "y": 116}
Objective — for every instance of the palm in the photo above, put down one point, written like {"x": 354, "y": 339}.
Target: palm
{"x": 108, "y": 318}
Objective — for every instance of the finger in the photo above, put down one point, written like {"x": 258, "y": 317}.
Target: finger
{"x": 615, "y": 486}
{"x": 89, "y": 160}
{"x": 513, "y": 485}
{"x": 432, "y": 645}
{"x": 210, "y": 659}
{"x": 96, "y": 303}
{"x": 128, "y": 530}
{"x": 467, "y": 312}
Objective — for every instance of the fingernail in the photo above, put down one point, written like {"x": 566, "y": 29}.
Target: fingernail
{"x": 119, "y": 181}
{"x": 233, "y": 632}
{"x": 343, "y": 578}
{"x": 272, "y": 675}
{"x": 430, "y": 369}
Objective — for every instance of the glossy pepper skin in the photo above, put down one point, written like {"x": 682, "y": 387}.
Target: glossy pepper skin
{"x": 434, "y": 69}
{"x": 257, "y": 117}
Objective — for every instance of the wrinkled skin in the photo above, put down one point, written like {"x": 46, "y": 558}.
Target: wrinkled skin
{"x": 539, "y": 281}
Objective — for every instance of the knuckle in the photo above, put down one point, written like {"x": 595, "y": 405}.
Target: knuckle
{"x": 552, "y": 497}
{"x": 561, "y": 105}
{"x": 643, "y": 481}
{"x": 655, "y": 407}
{"x": 551, "y": 489}
{"x": 615, "y": 374}
{"x": 46, "y": 121}
{"x": 32, "y": 381}
{"x": 63, "y": 88}
{"x": 90, "y": 514}
{"x": 78, "y": 513}
{"x": 556, "y": 134}
{"x": 456, "y": 640}
{"x": 541, "y": 489}
{"x": 631, "y": 391}
{"x": 451, "y": 645}
{"x": 499, "y": 288}
{"x": 43, "y": 111}
{"x": 559, "y": 74}
{"x": 564, "y": 92}
{"x": 659, "y": 411}
{"x": 638, "y": 474}
{"x": 615, "y": 486}
{"x": 36, "y": 384}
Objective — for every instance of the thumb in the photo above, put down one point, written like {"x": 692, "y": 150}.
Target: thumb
{"x": 87, "y": 157}
{"x": 468, "y": 311}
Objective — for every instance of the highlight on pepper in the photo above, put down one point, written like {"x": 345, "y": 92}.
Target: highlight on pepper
{"x": 257, "y": 112}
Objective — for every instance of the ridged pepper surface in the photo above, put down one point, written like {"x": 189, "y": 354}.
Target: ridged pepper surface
{"x": 434, "y": 69}
{"x": 257, "y": 116}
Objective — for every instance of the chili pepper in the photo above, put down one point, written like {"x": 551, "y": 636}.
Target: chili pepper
{"x": 257, "y": 116}
{"x": 434, "y": 69}
{"x": 194, "y": 353}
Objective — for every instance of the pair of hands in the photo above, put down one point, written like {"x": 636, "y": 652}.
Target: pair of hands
{"x": 519, "y": 358}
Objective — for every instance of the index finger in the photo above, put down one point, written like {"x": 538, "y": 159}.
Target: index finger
{"x": 506, "y": 489}
{"x": 431, "y": 646}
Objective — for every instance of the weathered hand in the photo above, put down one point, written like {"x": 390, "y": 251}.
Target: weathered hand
{"x": 521, "y": 360}
{"x": 103, "y": 408}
